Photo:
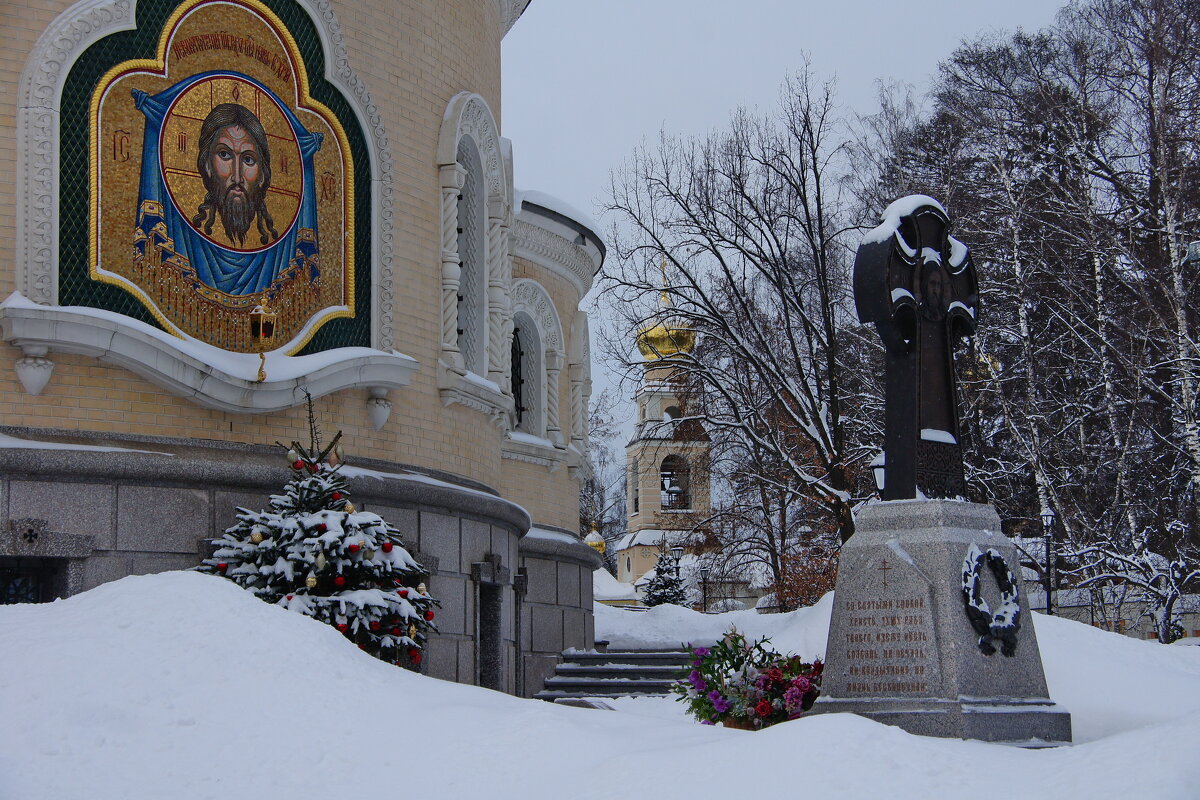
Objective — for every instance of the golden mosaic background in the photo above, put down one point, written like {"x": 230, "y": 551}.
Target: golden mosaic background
{"x": 225, "y": 37}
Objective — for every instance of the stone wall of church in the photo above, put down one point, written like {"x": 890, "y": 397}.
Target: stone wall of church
{"x": 152, "y": 510}
{"x": 414, "y": 56}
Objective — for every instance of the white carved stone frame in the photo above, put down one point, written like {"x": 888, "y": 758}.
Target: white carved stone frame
{"x": 468, "y": 114}
{"x": 38, "y": 112}
{"x": 531, "y": 299}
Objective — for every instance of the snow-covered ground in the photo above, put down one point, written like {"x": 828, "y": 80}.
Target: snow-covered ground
{"x": 181, "y": 685}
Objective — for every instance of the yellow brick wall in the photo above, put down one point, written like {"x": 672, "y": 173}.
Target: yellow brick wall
{"x": 413, "y": 55}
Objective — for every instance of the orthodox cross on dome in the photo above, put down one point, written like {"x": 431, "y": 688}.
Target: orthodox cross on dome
{"x": 917, "y": 285}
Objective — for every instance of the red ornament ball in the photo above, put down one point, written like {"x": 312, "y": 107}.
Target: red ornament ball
{"x": 414, "y": 655}
{"x": 222, "y": 566}
{"x": 354, "y": 548}
{"x": 374, "y": 625}
{"x": 403, "y": 592}
{"x": 429, "y": 616}
{"x": 289, "y": 597}
{"x": 395, "y": 631}
{"x": 340, "y": 580}
{"x": 336, "y": 495}
{"x": 387, "y": 547}
{"x": 297, "y": 465}
{"x": 322, "y": 527}
{"x": 343, "y": 627}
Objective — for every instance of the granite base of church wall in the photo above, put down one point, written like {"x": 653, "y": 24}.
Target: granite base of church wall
{"x": 557, "y": 608}
{"x": 152, "y": 505}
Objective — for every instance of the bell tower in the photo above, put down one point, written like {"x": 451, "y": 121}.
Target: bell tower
{"x": 666, "y": 461}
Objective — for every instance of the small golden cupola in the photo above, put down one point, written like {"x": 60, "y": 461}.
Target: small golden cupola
{"x": 665, "y": 335}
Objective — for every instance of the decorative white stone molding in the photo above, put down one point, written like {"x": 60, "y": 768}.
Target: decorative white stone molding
{"x": 579, "y": 372}
{"x": 207, "y": 376}
{"x": 555, "y": 254}
{"x": 38, "y": 169}
{"x": 531, "y": 299}
{"x": 533, "y": 450}
{"x": 34, "y": 369}
{"x": 468, "y": 115}
{"x": 452, "y": 177}
{"x": 39, "y": 99}
{"x": 379, "y": 407}
{"x": 468, "y": 389}
{"x": 510, "y": 12}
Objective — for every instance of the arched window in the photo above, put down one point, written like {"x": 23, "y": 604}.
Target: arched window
{"x": 472, "y": 281}
{"x": 672, "y": 412}
{"x": 526, "y": 380}
{"x": 633, "y": 485}
{"x": 675, "y": 478}
{"x": 517, "y": 380}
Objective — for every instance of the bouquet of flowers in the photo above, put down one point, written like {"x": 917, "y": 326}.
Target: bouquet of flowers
{"x": 745, "y": 684}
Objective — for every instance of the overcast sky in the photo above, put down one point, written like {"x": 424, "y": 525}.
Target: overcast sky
{"x": 586, "y": 80}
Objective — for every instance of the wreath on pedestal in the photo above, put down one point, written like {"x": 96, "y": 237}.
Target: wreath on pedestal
{"x": 1001, "y": 627}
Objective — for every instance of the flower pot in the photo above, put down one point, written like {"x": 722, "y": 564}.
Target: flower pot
{"x": 739, "y": 724}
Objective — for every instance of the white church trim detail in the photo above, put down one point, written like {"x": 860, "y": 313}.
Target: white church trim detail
{"x": 473, "y": 367}
{"x": 539, "y": 438}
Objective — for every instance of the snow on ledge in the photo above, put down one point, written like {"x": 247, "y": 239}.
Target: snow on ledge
{"x": 210, "y": 377}
{"x": 558, "y": 206}
{"x": 17, "y": 443}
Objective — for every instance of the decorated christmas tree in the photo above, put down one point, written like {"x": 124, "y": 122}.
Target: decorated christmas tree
{"x": 312, "y": 552}
{"x": 665, "y": 585}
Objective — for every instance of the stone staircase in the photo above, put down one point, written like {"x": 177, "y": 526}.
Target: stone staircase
{"x": 630, "y": 673}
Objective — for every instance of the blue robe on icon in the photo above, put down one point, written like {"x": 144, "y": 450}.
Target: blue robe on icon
{"x": 230, "y": 271}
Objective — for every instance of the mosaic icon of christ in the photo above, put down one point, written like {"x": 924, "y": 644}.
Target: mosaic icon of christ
{"x": 234, "y": 161}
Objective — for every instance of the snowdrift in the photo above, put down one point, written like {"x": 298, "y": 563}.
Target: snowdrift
{"x": 181, "y": 685}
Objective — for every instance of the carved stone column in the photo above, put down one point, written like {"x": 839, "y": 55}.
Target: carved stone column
{"x": 452, "y": 177}
{"x": 499, "y": 314}
{"x": 554, "y": 361}
{"x": 578, "y": 410}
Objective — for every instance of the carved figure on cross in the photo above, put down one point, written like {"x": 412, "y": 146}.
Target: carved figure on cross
{"x": 916, "y": 284}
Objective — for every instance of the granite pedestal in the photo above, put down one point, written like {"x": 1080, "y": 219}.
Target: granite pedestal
{"x": 901, "y": 647}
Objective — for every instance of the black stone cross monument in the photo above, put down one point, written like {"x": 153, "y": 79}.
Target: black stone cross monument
{"x": 926, "y": 585}
{"x": 917, "y": 285}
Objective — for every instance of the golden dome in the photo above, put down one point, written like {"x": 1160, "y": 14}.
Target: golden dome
{"x": 595, "y": 541}
{"x": 666, "y": 339}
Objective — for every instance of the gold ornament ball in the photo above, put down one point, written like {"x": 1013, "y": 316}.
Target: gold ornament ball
{"x": 256, "y": 537}
{"x": 412, "y": 630}
{"x": 421, "y": 588}
{"x": 348, "y": 508}
{"x": 311, "y": 581}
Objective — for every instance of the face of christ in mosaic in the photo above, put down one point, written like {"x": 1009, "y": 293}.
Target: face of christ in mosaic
{"x": 234, "y": 162}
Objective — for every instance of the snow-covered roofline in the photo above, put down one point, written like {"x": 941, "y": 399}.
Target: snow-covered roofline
{"x": 554, "y": 208}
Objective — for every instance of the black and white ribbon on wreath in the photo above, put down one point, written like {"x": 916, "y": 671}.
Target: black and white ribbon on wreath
{"x": 1001, "y": 627}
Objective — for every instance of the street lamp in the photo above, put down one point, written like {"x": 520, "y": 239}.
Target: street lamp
{"x": 704, "y": 588}
{"x": 1048, "y": 517}
{"x": 677, "y": 553}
